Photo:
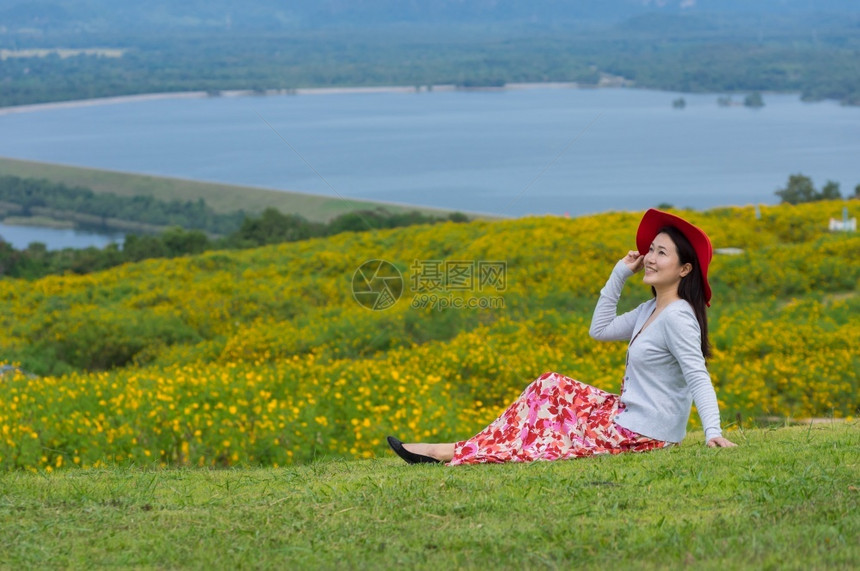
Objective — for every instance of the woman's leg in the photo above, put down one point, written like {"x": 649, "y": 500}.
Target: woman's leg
{"x": 554, "y": 418}
{"x": 501, "y": 429}
{"x": 443, "y": 451}
{"x": 545, "y": 422}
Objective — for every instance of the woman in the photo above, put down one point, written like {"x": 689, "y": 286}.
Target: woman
{"x": 557, "y": 417}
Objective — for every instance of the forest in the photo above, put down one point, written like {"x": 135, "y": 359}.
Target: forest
{"x": 814, "y": 54}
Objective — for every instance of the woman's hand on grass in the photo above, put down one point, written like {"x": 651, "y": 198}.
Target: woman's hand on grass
{"x": 720, "y": 442}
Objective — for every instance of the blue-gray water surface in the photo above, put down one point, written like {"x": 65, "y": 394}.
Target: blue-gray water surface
{"x": 21, "y": 237}
{"x": 509, "y": 152}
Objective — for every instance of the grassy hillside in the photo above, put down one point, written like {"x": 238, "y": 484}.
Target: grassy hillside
{"x": 265, "y": 357}
{"x": 784, "y": 499}
{"x": 222, "y": 198}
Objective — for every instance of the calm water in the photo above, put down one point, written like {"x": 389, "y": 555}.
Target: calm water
{"x": 511, "y": 152}
{"x": 54, "y": 239}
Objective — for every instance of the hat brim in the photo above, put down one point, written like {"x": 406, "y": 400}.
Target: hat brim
{"x": 654, "y": 220}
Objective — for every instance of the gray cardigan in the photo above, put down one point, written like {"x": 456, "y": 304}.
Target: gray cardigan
{"x": 665, "y": 368}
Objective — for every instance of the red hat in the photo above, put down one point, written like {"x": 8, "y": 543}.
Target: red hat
{"x": 654, "y": 220}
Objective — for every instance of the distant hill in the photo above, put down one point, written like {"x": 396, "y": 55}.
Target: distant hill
{"x": 164, "y": 16}
{"x": 222, "y": 198}
{"x": 682, "y": 45}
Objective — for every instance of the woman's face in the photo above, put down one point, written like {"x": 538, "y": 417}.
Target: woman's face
{"x": 662, "y": 265}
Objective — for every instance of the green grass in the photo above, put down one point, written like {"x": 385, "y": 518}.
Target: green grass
{"x": 222, "y": 198}
{"x": 786, "y": 498}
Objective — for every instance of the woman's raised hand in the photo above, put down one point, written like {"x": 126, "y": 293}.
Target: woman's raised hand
{"x": 634, "y": 260}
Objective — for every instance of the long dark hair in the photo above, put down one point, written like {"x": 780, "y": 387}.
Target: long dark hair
{"x": 692, "y": 287}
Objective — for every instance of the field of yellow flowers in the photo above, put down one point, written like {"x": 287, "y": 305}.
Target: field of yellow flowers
{"x": 265, "y": 357}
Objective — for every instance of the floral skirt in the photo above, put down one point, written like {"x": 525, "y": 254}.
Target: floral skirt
{"x": 555, "y": 418}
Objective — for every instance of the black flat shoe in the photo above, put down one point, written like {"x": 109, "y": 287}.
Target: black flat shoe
{"x": 410, "y": 457}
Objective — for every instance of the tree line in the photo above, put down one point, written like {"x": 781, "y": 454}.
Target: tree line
{"x": 270, "y": 227}
{"x": 652, "y": 53}
{"x": 800, "y": 188}
{"x": 107, "y": 211}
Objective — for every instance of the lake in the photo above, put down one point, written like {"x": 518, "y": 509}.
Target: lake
{"x": 509, "y": 152}
{"x": 54, "y": 238}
